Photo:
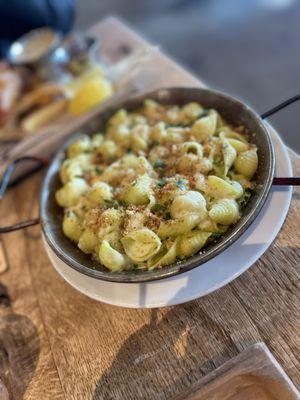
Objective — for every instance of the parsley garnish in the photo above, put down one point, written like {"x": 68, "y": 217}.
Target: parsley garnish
{"x": 217, "y": 161}
{"x": 215, "y": 236}
{"x": 181, "y": 184}
{"x": 161, "y": 183}
{"x": 167, "y": 216}
{"x": 245, "y": 198}
{"x": 159, "y": 208}
{"x": 205, "y": 112}
{"x": 159, "y": 164}
{"x": 112, "y": 203}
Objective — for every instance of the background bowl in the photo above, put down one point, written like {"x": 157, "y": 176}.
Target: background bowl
{"x": 18, "y": 51}
{"x": 233, "y": 111}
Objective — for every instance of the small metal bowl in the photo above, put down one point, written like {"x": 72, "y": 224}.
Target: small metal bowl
{"x": 19, "y": 51}
{"x": 233, "y": 111}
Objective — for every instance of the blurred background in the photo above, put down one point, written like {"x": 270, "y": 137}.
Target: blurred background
{"x": 247, "y": 48}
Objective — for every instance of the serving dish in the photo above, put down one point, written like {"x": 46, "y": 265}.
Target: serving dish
{"x": 212, "y": 275}
{"x": 234, "y": 111}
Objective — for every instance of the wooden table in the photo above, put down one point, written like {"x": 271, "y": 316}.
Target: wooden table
{"x": 58, "y": 344}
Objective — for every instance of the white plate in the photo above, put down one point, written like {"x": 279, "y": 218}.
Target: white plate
{"x": 208, "y": 277}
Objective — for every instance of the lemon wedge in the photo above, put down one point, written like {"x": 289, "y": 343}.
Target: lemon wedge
{"x": 89, "y": 94}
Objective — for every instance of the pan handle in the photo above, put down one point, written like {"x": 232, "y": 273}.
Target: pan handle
{"x": 4, "y": 184}
{"x": 288, "y": 181}
{"x": 280, "y": 106}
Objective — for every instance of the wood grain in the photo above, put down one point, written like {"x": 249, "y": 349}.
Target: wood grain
{"x": 252, "y": 375}
{"x": 89, "y": 350}
{"x": 3, "y": 259}
{"x": 26, "y": 363}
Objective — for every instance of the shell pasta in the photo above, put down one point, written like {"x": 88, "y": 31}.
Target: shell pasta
{"x": 156, "y": 186}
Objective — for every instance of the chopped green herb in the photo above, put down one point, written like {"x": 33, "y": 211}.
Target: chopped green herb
{"x": 112, "y": 203}
{"x": 245, "y": 198}
{"x": 98, "y": 170}
{"x": 159, "y": 164}
{"x": 215, "y": 236}
{"x": 167, "y": 216}
{"x": 217, "y": 161}
{"x": 205, "y": 112}
{"x": 155, "y": 143}
{"x": 181, "y": 184}
{"x": 161, "y": 183}
{"x": 159, "y": 208}
{"x": 115, "y": 204}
